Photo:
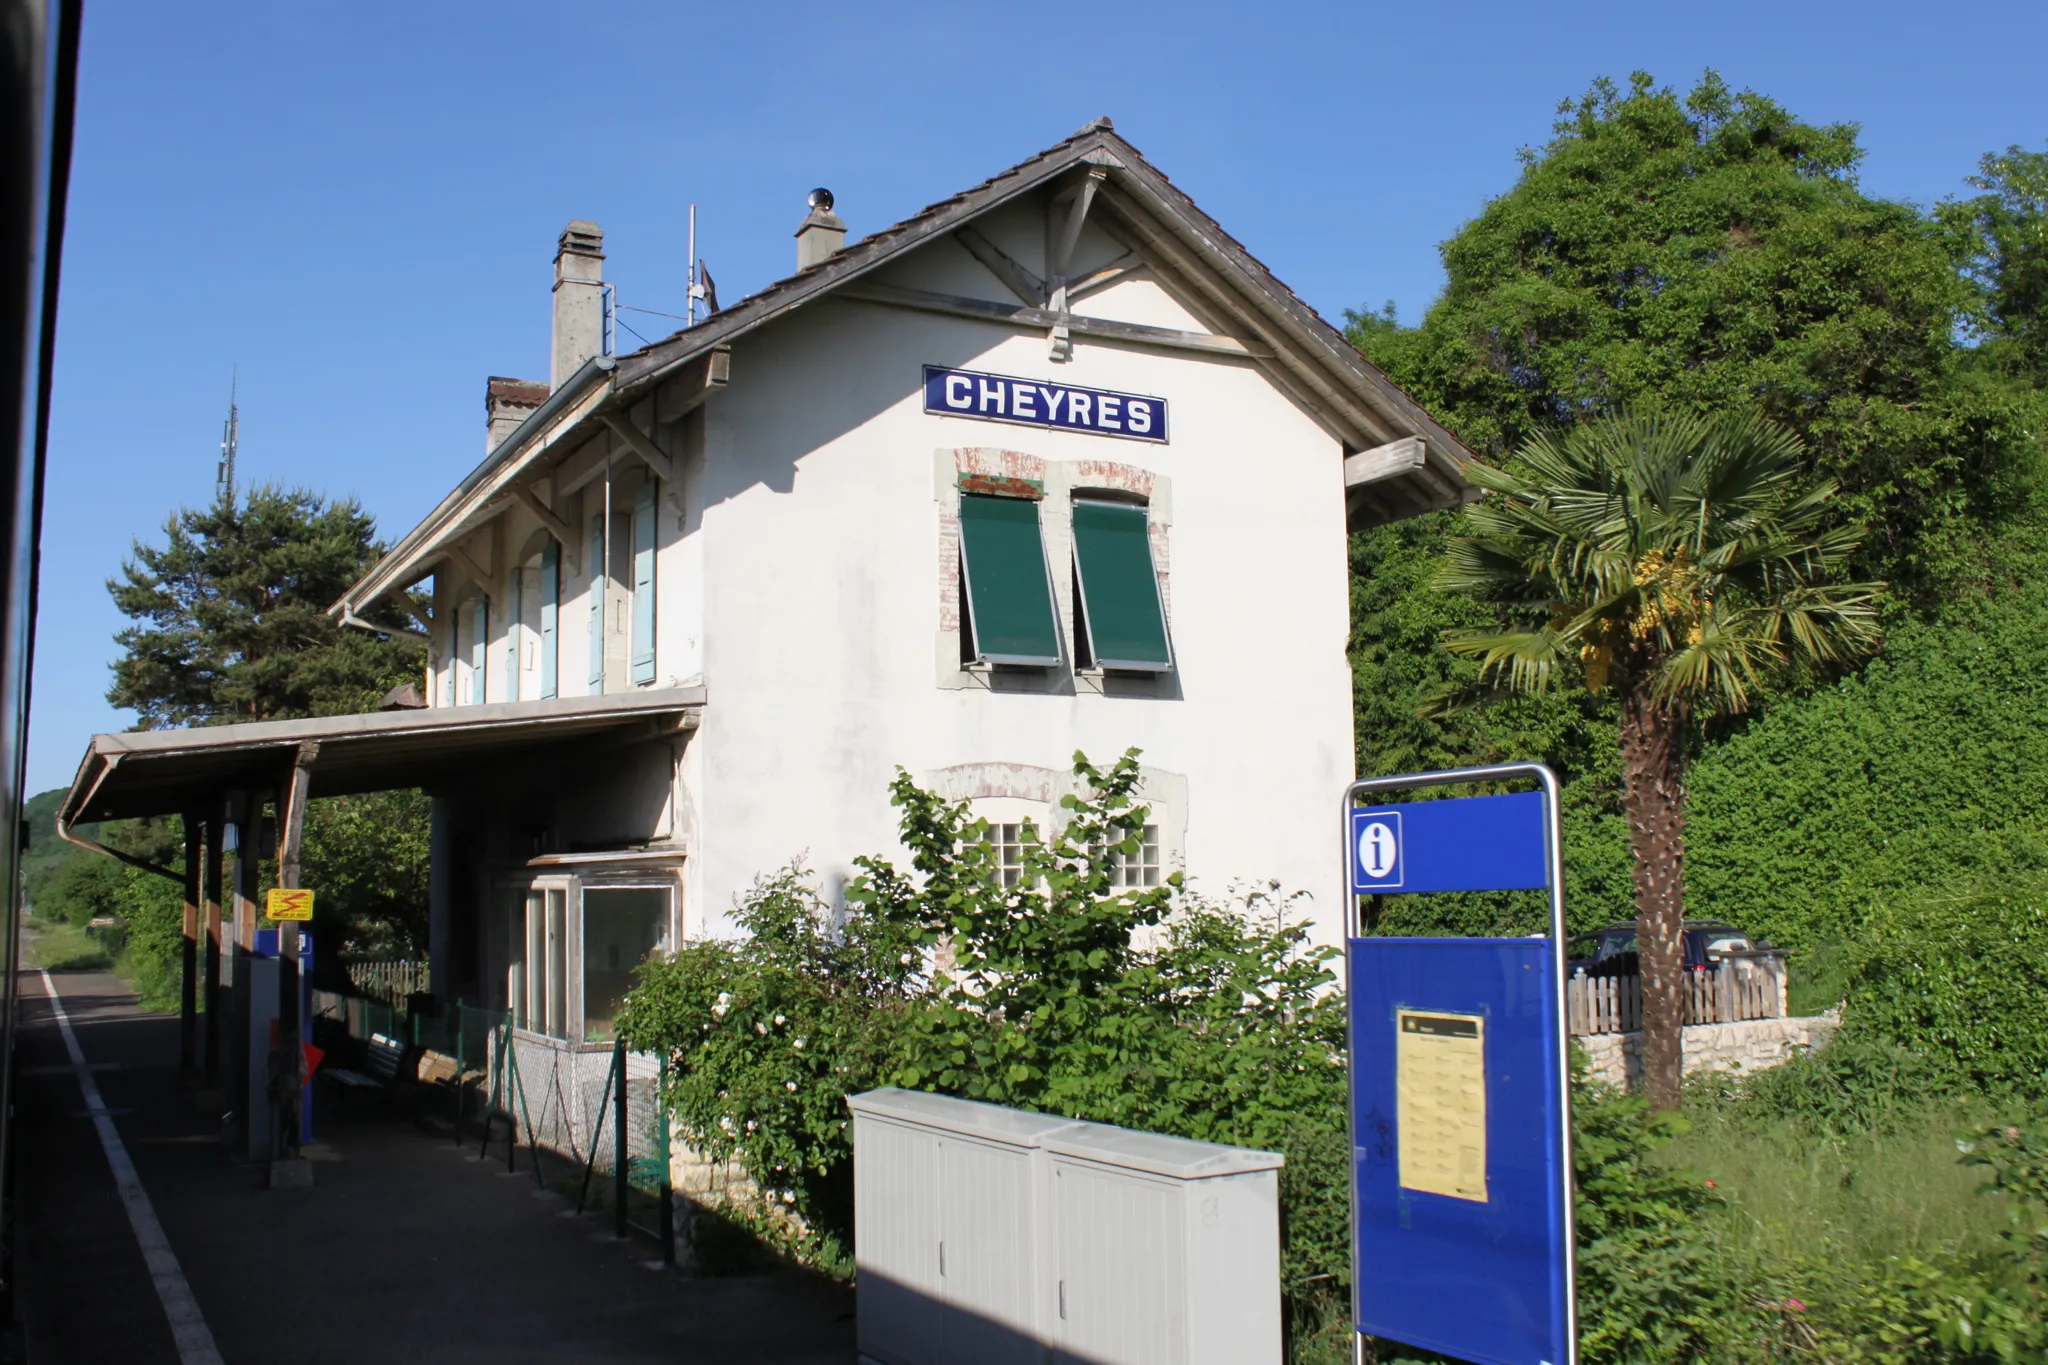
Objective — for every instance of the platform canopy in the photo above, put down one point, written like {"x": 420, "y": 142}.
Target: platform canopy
{"x": 164, "y": 772}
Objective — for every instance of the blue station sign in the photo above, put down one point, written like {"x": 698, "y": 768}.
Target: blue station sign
{"x": 1460, "y": 1105}
{"x": 1035, "y": 403}
{"x": 1471, "y": 843}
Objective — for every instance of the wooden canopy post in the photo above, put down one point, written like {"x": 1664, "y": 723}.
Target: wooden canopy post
{"x": 248, "y": 869}
{"x": 291, "y": 820}
{"x": 188, "y": 952}
{"x": 216, "y": 829}
{"x": 247, "y": 814}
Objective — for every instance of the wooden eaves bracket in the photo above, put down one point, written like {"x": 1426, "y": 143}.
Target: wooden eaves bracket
{"x": 1078, "y": 198}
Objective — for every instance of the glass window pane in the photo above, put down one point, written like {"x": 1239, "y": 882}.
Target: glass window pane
{"x": 622, "y": 926}
{"x": 1119, "y": 590}
{"x": 558, "y": 965}
{"x": 1144, "y": 868}
{"x": 533, "y": 1010}
{"x": 508, "y": 951}
{"x": 1009, "y": 593}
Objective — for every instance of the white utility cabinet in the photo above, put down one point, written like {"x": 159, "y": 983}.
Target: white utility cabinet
{"x": 947, "y": 1229}
{"x": 991, "y": 1234}
{"x": 1165, "y": 1251}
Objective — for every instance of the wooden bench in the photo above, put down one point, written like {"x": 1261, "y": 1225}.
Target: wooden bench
{"x": 382, "y": 1060}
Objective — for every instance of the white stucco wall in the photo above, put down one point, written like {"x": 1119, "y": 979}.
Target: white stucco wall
{"x": 799, "y": 572}
{"x": 821, "y": 545}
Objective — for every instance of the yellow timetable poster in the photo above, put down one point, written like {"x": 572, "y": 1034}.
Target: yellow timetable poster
{"x": 1440, "y": 1092}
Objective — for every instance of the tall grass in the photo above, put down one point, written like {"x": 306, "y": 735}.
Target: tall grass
{"x": 60, "y": 947}
{"x": 1790, "y": 1192}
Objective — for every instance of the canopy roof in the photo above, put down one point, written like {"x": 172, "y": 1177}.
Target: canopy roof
{"x": 165, "y": 772}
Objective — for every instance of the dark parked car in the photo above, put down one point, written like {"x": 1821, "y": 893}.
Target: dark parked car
{"x": 1612, "y": 951}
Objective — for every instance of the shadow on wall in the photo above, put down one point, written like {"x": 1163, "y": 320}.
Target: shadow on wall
{"x": 864, "y": 359}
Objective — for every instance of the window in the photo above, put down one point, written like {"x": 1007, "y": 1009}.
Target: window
{"x": 643, "y": 583}
{"x": 1122, "y": 621}
{"x": 1141, "y": 868}
{"x": 622, "y": 927}
{"x": 1006, "y": 587}
{"x": 1007, "y": 842}
{"x": 535, "y": 939}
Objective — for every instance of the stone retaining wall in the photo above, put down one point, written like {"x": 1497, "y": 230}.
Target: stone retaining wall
{"x": 1752, "y": 1045}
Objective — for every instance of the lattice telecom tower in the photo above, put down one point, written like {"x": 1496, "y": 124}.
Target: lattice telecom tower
{"x": 230, "y": 437}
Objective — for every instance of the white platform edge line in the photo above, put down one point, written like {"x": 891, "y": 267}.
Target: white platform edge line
{"x": 189, "y": 1331}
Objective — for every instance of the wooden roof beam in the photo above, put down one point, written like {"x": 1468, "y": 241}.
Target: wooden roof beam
{"x": 1034, "y": 319}
{"x": 478, "y": 574}
{"x": 557, "y": 528}
{"x": 1388, "y": 461}
{"x": 663, "y": 467}
{"x": 1019, "y": 281}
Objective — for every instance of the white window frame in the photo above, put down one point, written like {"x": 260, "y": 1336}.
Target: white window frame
{"x": 572, "y": 886}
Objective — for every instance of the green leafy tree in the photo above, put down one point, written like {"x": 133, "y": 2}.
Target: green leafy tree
{"x": 1708, "y": 250}
{"x": 2006, "y": 231}
{"x": 231, "y": 615}
{"x": 1712, "y": 251}
{"x": 78, "y": 890}
{"x": 1678, "y": 561}
{"x": 369, "y": 858}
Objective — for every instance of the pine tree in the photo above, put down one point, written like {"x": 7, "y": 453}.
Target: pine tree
{"x": 231, "y": 618}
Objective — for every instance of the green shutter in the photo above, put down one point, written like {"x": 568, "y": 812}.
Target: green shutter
{"x": 550, "y": 608}
{"x": 1009, "y": 592}
{"x": 643, "y": 583}
{"x": 1125, "y": 624}
{"x": 598, "y": 579}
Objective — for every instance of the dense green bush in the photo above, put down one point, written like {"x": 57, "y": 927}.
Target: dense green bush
{"x": 1064, "y": 994}
{"x": 80, "y": 888}
{"x": 1925, "y": 772}
{"x": 1059, "y": 993}
{"x": 1962, "y": 983}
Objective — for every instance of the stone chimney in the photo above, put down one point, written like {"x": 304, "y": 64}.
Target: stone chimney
{"x": 820, "y": 234}
{"x": 507, "y": 403}
{"x": 579, "y": 299}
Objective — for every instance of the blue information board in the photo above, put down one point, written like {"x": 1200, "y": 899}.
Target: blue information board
{"x": 1467, "y": 843}
{"x": 1459, "y": 1236}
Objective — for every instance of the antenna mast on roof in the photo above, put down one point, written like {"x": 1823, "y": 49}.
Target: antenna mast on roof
{"x": 696, "y": 274}
{"x": 230, "y": 438}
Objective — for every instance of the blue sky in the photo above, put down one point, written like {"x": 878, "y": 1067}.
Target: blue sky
{"x": 357, "y": 204}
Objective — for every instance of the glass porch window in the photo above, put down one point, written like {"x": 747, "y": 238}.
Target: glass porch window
{"x": 622, "y": 927}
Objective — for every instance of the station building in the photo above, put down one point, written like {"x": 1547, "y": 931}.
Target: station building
{"x": 1053, "y": 465}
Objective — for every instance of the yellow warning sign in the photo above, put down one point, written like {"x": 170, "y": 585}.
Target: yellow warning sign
{"x": 283, "y": 904}
{"x": 1440, "y": 1087}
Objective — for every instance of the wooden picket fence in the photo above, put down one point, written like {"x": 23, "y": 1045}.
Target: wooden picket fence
{"x": 1743, "y": 986}
{"x": 389, "y": 982}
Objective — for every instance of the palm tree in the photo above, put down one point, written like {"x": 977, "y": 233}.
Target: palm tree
{"x": 1680, "y": 560}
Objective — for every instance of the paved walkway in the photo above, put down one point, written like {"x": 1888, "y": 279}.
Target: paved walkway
{"x": 404, "y": 1248}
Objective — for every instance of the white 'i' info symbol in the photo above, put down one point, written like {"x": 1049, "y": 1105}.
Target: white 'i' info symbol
{"x": 1379, "y": 851}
